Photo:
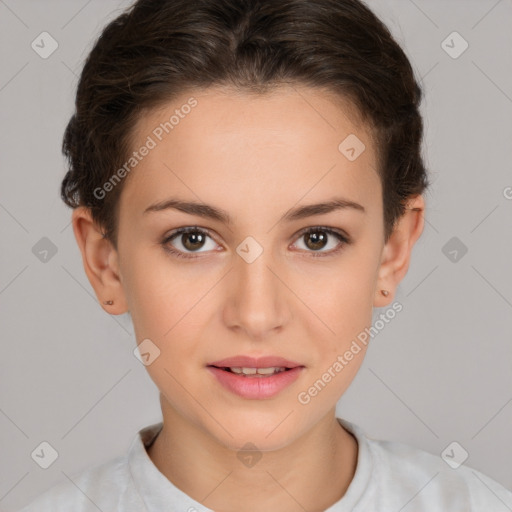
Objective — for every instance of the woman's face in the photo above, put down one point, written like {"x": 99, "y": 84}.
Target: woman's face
{"x": 256, "y": 285}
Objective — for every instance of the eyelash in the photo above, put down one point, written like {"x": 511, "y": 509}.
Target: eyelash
{"x": 344, "y": 240}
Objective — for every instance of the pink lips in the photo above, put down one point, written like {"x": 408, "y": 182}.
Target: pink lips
{"x": 255, "y": 387}
{"x": 254, "y": 362}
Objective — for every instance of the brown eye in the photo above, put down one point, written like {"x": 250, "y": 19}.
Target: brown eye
{"x": 316, "y": 239}
{"x": 192, "y": 241}
{"x": 185, "y": 241}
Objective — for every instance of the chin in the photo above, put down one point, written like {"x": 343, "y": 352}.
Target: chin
{"x": 266, "y": 431}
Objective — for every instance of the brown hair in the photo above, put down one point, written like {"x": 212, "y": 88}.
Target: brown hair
{"x": 158, "y": 49}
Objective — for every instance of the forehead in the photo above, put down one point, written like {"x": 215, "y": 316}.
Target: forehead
{"x": 252, "y": 150}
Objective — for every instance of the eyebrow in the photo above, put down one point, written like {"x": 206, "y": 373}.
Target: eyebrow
{"x": 212, "y": 212}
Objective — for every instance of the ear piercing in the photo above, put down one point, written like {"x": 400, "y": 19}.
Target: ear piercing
{"x": 384, "y": 292}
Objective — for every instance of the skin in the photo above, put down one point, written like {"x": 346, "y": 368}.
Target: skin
{"x": 256, "y": 157}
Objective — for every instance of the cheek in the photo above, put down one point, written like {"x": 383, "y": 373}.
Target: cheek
{"x": 343, "y": 295}
{"x": 154, "y": 292}
{"x": 169, "y": 306}
{"x": 166, "y": 311}
{"x": 163, "y": 305}
{"x": 164, "y": 297}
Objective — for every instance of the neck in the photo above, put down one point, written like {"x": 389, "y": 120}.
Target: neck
{"x": 311, "y": 473}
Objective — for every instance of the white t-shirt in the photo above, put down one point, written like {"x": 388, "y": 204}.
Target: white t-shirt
{"x": 389, "y": 477}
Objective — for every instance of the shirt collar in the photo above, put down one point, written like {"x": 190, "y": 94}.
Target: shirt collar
{"x": 158, "y": 493}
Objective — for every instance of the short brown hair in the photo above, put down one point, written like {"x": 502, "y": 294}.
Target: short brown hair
{"x": 157, "y": 49}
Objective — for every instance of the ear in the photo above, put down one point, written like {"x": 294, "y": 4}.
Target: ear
{"x": 100, "y": 260}
{"x": 396, "y": 253}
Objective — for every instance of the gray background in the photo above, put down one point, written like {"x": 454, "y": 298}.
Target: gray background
{"x": 439, "y": 372}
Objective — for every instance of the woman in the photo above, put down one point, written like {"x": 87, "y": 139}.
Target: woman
{"x": 247, "y": 182}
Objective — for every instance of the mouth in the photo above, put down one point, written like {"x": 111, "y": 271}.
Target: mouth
{"x": 249, "y": 365}
{"x": 253, "y": 372}
{"x": 255, "y": 378}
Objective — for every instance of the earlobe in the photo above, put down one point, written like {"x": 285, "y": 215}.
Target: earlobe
{"x": 396, "y": 254}
{"x": 99, "y": 259}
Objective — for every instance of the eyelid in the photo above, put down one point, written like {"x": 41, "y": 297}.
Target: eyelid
{"x": 317, "y": 227}
{"x": 180, "y": 231}
{"x": 343, "y": 239}
{"x": 341, "y": 235}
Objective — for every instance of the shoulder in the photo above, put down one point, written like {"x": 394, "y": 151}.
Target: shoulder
{"x": 392, "y": 475}
{"x": 427, "y": 481}
{"x": 102, "y": 487}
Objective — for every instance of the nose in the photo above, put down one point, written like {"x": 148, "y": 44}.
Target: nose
{"x": 257, "y": 300}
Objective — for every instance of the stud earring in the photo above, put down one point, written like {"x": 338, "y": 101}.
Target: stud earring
{"x": 384, "y": 292}
{"x": 108, "y": 302}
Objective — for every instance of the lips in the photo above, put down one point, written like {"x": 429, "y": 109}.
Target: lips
{"x": 255, "y": 362}
{"x": 231, "y": 374}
